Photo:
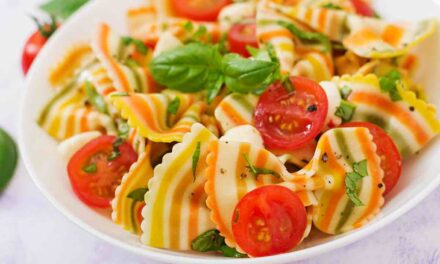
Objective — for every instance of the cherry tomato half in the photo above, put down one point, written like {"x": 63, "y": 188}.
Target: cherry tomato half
{"x": 391, "y": 162}
{"x": 269, "y": 220}
{"x": 290, "y": 120}
{"x": 363, "y": 8}
{"x": 94, "y": 175}
{"x": 242, "y": 35}
{"x": 199, "y": 10}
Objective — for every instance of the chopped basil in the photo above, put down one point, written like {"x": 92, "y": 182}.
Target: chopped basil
{"x": 174, "y": 105}
{"x": 307, "y": 36}
{"x": 91, "y": 168}
{"x": 139, "y": 44}
{"x": 188, "y": 26}
{"x": 119, "y": 94}
{"x": 95, "y": 98}
{"x": 345, "y": 92}
{"x": 123, "y": 129}
{"x": 195, "y": 159}
{"x": 331, "y": 6}
{"x": 351, "y": 178}
{"x": 138, "y": 194}
{"x": 345, "y": 111}
{"x": 256, "y": 171}
{"x": 388, "y": 84}
{"x": 212, "y": 241}
{"x": 116, "y": 151}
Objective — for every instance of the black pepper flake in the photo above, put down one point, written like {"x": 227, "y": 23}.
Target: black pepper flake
{"x": 347, "y": 157}
{"x": 380, "y": 185}
{"x": 243, "y": 175}
{"x": 87, "y": 103}
{"x": 227, "y": 142}
{"x": 192, "y": 194}
{"x": 312, "y": 108}
{"x": 222, "y": 171}
{"x": 324, "y": 157}
{"x": 412, "y": 108}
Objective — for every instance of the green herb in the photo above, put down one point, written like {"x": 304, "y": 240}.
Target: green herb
{"x": 345, "y": 92}
{"x": 351, "y": 178}
{"x": 91, "y": 168}
{"x": 95, "y": 98}
{"x": 338, "y": 46}
{"x": 62, "y": 8}
{"x": 116, "y": 151}
{"x": 345, "y": 111}
{"x": 130, "y": 62}
{"x": 331, "y": 6}
{"x": 44, "y": 29}
{"x": 212, "y": 241}
{"x": 123, "y": 129}
{"x": 119, "y": 94}
{"x": 8, "y": 158}
{"x": 196, "y": 66}
{"x": 138, "y": 194}
{"x": 200, "y": 32}
{"x": 388, "y": 84}
{"x": 256, "y": 171}
{"x": 139, "y": 44}
{"x": 287, "y": 82}
{"x": 174, "y": 105}
{"x": 307, "y": 36}
{"x": 188, "y": 26}
{"x": 195, "y": 160}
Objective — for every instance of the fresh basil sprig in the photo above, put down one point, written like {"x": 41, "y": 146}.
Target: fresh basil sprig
{"x": 62, "y": 8}
{"x": 360, "y": 171}
{"x": 195, "y": 67}
{"x": 212, "y": 241}
{"x": 307, "y": 36}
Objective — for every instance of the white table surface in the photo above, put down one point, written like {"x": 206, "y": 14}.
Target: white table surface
{"x": 33, "y": 231}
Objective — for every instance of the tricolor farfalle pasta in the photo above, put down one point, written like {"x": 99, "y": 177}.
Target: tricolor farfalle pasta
{"x": 175, "y": 212}
{"x": 315, "y": 66}
{"x": 235, "y": 110}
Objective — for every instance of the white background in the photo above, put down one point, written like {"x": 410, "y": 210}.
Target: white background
{"x": 32, "y": 231}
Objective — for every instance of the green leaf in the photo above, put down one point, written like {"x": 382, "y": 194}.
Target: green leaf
{"x": 331, "y": 6}
{"x": 345, "y": 110}
{"x": 231, "y": 252}
{"x": 256, "y": 171}
{"x": 388, "y": 84}
{"x": 188, "y": 26}
{"x": 361, "y": 168}
{"x": 187, "y": 68}
{"x": 245, "y": 75}
{"x": 62, "y": 8}
{"x": 195, "y": 159}
{"x": 8, "y": 158}
{"x": 214, "y": 86}
{"x": 95, "y": 98}
{"x": 345, "y": 92}
{"x": 123, "y": 130}
{"x": 91, "y": 168}
{"x": 307, "y": 36}
{"x": 119, "y": 94}
{"x": 139, "y": 44}
{"x": 116, "y": 151}
{"x": 138, "y": 194}
{"x": 208, "y": 241}
{"x": 173, "y": 107}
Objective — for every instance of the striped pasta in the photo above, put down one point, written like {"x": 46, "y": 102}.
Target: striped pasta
{"x": 175, "y": 211}
{"x": 148, "y": 114}
{"x": 411, "y": 122}
{"x": 316, "y": 66}
{"x": 235, "y": 110}
{"x": 125, "y": 209}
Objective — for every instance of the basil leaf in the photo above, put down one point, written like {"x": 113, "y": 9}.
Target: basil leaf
{"x": 62, "y": 8}
{"x": 173, "y": 107}
{"x": 231, "y": 252}
{"x": 345, "y": 111}
{"x": 8, "y": 158}
{"x": 388, "y": 84}
{"x": 91, "y": 168}
{"x": 139, "y": 44}
{"x": 361, "y": 168}
{"x": 195, "y": 160}
{"x": 95, "y": 98}
{"x": 331, "y": 6}
{"x": 187, "y": 68}
{"x": 256, "y": 171}
{"x": 123, "y": 129}
{"x": 214, "y": 86}
{"x": 208, "y": 241}
{"x": 345, "y": 92}
{"x": 351, "y": 178}
{"x": 138, "y": 194}
{"x": 116, "y": 151}
{"x": 245, "y": 75}
{"x": 307, "y": 36}
{"x": 119, "y": 94}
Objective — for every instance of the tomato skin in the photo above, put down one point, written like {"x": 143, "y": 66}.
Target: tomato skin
{"x": 363, "y": 8}
{"x": 391, "y": 161}
{"x": 242, "y": 35}
{"x": 199, "y": 10}
{"x": 31, "y": 49}
{"x": 97, "y": 188}
{"x": 290, "y": 120}
{"x": 269, "y": 220}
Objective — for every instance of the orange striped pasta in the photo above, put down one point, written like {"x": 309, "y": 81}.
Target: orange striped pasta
{"x": 175, "y": 211}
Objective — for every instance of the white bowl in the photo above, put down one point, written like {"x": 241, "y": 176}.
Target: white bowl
{"x": 421, "y": 174}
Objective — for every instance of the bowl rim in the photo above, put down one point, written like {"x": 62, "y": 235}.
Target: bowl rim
{"x": 163, "y": 256}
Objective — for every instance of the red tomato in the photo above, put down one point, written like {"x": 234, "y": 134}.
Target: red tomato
{"x": 290, "y": 120}
{"x": 269, "y": 220}
{"x": 200, "y": 10}
{"x": 35, "y": 43}
{"x": 391, "y": 162}
{"x": 242, "y": 35}
{"x": 363, "y": 8}
{"x": 97, "y": 187}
